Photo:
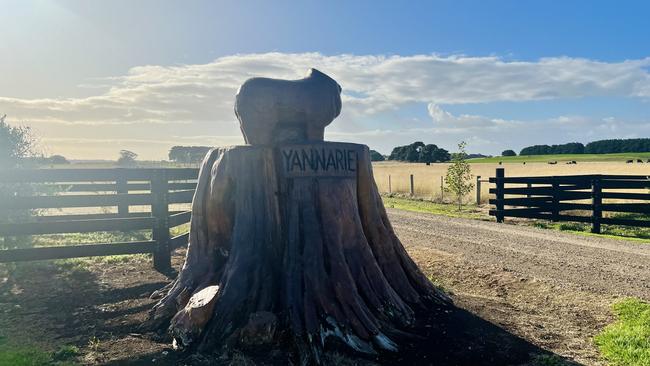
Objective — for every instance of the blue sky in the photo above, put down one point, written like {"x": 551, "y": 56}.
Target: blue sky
{"x": 95, "y": 77}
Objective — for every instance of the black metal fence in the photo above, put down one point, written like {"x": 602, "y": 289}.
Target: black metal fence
{"x": 579, "y": 198}
{"x": 97, "y": 189}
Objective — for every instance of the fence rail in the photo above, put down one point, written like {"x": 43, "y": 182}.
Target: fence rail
{"x": 554, "y": 198}
{"x": 412, "y": 191}
{"x": 93, "y": 188}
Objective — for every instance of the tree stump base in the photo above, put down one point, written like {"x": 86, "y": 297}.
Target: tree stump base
{"x": 291, "y": 245}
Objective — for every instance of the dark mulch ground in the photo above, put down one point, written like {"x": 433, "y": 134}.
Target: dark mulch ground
{"x": 98, "y": 306}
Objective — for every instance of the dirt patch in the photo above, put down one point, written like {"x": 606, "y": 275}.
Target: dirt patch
{"x": 511, "y": 304}
{"x": 94, "y": 305}
{"x": 99, "y": 306}
{"x": 552, "y": 288}
{"x": 557, "y": 319}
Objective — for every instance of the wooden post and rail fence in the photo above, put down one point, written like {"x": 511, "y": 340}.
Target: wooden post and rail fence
{"x": 554, "y": 198}
{"x": 442, "y": 187}
{"x": 94, "y": 190}
{"x": 576, "y": 198}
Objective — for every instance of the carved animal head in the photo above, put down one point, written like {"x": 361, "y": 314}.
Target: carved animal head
{"x": 272, "y": 111}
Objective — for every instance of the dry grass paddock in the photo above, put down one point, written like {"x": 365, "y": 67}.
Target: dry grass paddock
{"x": 427, "y": 178}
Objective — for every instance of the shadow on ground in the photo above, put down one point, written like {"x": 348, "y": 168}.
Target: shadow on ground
{"x": 99, "y": 307}
{"x": 87, "y": 304}
{"x": 458, "y": 337}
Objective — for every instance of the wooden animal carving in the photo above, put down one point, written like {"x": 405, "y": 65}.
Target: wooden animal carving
{"x": 272, "y": 111}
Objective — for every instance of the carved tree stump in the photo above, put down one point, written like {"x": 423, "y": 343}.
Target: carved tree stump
{"x": 290, "y": 245}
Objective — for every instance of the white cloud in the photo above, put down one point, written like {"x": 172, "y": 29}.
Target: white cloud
{"x": 443, "y": 118}
{"x": 485, "y": 134}
{"x": 198, "y": 99}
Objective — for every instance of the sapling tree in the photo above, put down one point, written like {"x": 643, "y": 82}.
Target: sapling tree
{"x": 459, "y": 175}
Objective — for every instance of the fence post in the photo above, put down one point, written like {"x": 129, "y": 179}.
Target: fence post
{"x": 442, "y": 189}
{"x": 555, "y": 211}
{"x": 500, "y": 174}
{"x": 529, "y": 186}
{"x": 390, "y": 188}
{"x": 160, "y": 211}
{"x": 478, "y": 190}
{"x": 596, "y": 205}
{"x": 412, "y": 187}
{"x": 122, "y": 187}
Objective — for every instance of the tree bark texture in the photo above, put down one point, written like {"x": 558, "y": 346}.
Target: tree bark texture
{"x": 291, "y": 245}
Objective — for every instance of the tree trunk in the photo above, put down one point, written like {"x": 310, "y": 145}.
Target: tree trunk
{"x": 291, "y": 246}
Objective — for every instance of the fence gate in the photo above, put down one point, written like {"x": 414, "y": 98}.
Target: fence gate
{"x": 579, "y": 198}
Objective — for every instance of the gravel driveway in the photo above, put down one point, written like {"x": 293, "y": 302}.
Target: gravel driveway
{"x": 605, "y": 265}
{"x": 550, "y": 287}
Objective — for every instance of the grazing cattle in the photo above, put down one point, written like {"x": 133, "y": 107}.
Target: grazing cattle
{"x": 572, "y": 162}
{"x": 629, "y": 162}
{"x": 648, "y": 161}
{"x": 639, "y": 161}
{"x": 552, "y": 162}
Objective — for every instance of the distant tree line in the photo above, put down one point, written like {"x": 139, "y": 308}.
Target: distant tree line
{"x": 595, "y": 147}
{"x": 188, "y": 154}
{"x": 475, "y": 156}
{"x": 618, "y": 146}
{"x": 376, "y": 156}
{"x": 127, "y": 158}
{"x": 570, "y": 148}
{"x": 418, "y": 152}
{"x": 50, "y": 160}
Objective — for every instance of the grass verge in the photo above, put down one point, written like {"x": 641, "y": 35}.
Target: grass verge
{"x": 420, "y": 205}
{"x": 34, "y": 356}
{"x": 626, "y": 342}
{"x": 637, "y": 234}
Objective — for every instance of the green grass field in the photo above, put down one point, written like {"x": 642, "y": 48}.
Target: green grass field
{"x": 451, "y": 210}
{"x": 34, "y": 356}
{"x": 565, "y": 157}
{"x": 627, "y": 341}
